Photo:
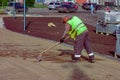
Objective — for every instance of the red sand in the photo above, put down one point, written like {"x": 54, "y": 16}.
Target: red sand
{"x": 38, "y": 27}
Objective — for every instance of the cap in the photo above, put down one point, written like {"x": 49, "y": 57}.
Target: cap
{"x": 65, "y": 19}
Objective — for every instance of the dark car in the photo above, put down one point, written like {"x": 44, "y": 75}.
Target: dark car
{"x": 67, "y": 8}
{"x": 71, "y": 3}
{"x": 18, "y": 7}
{"x": 86, "y": 6}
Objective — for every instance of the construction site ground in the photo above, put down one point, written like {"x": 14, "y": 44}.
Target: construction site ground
{"x": 19, "y": 49}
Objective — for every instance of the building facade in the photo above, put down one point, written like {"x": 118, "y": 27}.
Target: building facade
{"x": 102, "y": 2}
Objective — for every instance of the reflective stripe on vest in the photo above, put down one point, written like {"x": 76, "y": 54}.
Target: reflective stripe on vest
{"x": 74, "y": 22}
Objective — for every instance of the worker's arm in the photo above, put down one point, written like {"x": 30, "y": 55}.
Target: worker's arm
{"x": 67, "y": 28}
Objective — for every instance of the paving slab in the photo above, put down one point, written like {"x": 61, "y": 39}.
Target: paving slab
{"x": 53, "y": 66}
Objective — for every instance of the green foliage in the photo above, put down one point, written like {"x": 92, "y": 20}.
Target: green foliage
{"x": 3, "y": 2}
{"x": 1, "y": 11}
{"x": 40, "y": 6}
{"x": 30, "y": 3}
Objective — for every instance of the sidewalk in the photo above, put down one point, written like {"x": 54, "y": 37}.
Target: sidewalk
{"x": 21, "y": 66}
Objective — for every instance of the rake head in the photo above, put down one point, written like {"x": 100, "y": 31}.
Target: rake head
{"x": 39, "y": 58}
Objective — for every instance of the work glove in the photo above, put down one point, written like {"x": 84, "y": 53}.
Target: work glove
{"x": 61, "y": 40}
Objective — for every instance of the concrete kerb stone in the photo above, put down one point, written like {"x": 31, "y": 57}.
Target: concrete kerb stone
{"x": 27, "y": 15}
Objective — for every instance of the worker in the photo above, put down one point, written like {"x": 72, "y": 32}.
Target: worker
{"x": 76, "y": 29}
{"x": 92, "y": 8}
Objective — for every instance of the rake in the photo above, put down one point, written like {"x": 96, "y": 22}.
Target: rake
{"x": 39, "y": 58}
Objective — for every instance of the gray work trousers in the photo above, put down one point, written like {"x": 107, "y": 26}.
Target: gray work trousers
{"x": 82, "y": 41}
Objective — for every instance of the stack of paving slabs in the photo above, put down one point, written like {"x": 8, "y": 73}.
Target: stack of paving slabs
{"x": 107, "y": 22}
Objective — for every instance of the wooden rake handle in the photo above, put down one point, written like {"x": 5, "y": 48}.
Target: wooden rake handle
{"x": 52, "y": 46}
{"x": 49, "y": 48}
{"x": 39, "y": 58}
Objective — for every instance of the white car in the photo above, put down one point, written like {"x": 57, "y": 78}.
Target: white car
{"x": 53, "y": 5}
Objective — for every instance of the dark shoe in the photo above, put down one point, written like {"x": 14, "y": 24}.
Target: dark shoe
{"x": 91, "y": 59}
{"x": 74, "y": 59}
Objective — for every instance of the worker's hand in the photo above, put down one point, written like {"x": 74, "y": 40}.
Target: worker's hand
{"x": 61, "y": 40}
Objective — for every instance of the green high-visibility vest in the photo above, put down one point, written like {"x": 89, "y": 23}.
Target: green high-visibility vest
{"x": 77, "y": 27}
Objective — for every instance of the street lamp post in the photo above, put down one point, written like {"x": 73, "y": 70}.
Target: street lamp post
{"x": 24, "y": 15}
{"x": 14, "y": 10}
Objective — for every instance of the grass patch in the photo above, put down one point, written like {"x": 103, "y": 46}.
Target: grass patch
{"x": 40, "y": 6}
{"x": 2, "y": 11}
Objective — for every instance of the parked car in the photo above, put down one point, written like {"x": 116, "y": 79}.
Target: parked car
{"x": 53, "y": 5}
{"x": 86, "y": 6}
{"x": 18, "y": 7}
{"x": 67, "y": 3}
{"x": 67, "y": 8}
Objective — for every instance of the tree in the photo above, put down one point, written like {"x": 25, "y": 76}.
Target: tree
{"x": 30, "y": 3}
{"x": 3, "y": 2}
